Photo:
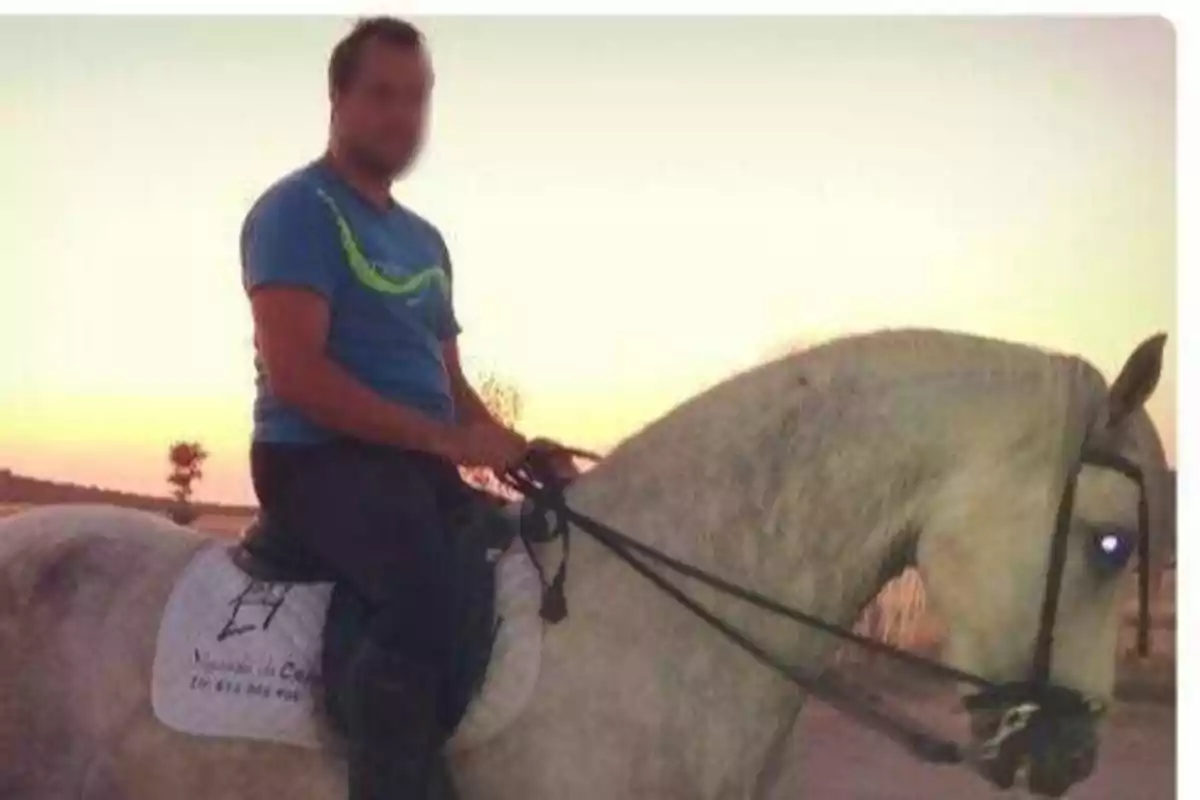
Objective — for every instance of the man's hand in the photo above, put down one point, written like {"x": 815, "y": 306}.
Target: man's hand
{"x": 486, "y": 444}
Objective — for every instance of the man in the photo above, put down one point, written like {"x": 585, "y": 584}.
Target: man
{"x": 363, "y": 412}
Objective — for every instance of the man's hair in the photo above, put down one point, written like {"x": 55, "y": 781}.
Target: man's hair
{"x": 343, "y": 64}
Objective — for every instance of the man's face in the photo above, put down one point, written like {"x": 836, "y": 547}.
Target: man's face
{"x": 379, "y": 117}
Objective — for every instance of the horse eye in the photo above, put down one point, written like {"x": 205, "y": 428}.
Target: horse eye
{"x": 1112, "y": 549}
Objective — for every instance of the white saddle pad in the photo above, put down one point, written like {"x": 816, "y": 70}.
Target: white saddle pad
{"x": 241, "y": 658}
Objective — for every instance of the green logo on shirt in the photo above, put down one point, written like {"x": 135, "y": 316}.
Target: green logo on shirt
{"x": 370, "y": 274}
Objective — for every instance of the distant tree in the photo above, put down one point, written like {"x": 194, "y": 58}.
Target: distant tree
{"x": 501, "y": 398}
{"x": 187, "y": 460}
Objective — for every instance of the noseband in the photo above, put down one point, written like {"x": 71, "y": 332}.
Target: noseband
{"x": 1036, "y": 698}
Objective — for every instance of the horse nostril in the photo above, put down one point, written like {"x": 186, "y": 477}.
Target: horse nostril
{"x": 1083, "y": 763}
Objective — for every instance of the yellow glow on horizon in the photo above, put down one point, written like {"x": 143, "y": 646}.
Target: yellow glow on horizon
{"x": 626, "y": 228}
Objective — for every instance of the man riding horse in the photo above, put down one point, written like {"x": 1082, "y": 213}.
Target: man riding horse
{"x": 363, "y": 413}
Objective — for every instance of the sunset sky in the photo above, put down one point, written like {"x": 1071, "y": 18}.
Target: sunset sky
{"x": 635, "y": 207}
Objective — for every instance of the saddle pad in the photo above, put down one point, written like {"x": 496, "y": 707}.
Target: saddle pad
{"x": 237, "y": 657}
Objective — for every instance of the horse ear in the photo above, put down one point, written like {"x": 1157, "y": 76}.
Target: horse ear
{"x": 1137, "y": 381}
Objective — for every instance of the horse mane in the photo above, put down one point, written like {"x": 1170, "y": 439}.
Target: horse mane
{"x": 777, "y": 453}
{"x": 877, "y": 361}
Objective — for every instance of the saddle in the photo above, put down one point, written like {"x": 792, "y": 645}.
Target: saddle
{"x": 481, "y": 531}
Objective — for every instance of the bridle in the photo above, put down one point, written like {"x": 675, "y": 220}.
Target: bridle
{"x": 1039, "y": 701}
{"x": 1058, "y": 557}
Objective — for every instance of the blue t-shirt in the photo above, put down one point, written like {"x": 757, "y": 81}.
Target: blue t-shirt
{"x": 386, "y": 275}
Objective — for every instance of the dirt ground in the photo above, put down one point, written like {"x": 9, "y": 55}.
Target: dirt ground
{"x": 836, "y": 759}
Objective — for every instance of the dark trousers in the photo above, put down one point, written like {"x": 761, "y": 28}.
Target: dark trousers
{"x": 379, "y": 519}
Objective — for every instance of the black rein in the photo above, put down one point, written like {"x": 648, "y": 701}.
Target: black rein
{"x": 535, "y": 479}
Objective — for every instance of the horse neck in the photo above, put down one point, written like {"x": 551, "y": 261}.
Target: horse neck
{"x": 793, "y": 480}
{"x": 809, "y": 500}
{"x": 809, "y": 480}
{"x": 774, "y": 496}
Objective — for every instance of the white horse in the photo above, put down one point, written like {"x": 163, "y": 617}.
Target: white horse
{"x": 813, "y": 479}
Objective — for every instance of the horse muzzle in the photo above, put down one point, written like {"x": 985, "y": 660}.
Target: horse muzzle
{"x": 1052, "y": 746}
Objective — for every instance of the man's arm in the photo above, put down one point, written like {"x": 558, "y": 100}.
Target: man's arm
{"x": 291, "y": 329}
{"x": 468, "y": 404}
{"x": 473, "y": 411}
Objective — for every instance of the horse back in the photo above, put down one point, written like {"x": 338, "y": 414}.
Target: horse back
{"x": 81, "y": 591}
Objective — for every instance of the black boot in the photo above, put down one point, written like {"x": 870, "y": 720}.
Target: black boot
{"x": 392, "y": 724}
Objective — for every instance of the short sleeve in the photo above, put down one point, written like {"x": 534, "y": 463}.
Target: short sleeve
{"x": 447, "y": 326}
{"x": 291, "y": 238}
